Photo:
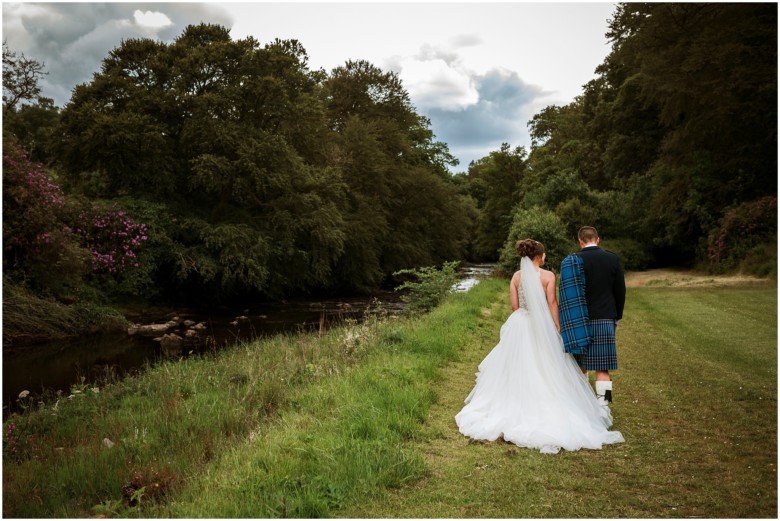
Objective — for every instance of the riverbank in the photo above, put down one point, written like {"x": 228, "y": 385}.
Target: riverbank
{"x": 29, "y": 319}
{"x": 45, "y": 367}
{"x": 358, "y": 423}
{"x": 145, "y": 445}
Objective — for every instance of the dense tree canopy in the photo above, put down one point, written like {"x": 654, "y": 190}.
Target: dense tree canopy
{"x": 401, "y": 206}
{"x": 496, "y": 184}
{"x": 679, "y": 126}
{"x": 268, "y": 177}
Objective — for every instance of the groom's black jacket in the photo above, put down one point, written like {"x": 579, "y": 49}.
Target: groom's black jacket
{"x": 605, "y": 286}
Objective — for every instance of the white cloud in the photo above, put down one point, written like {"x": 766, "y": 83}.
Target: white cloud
{"x": 434, "y": 84}
{"x": 151, "y": 19}
{"x": 72, "y": 39}
{"x": 499, "y": 116}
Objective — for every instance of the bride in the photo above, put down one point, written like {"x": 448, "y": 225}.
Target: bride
{"x": 528, "y": 390}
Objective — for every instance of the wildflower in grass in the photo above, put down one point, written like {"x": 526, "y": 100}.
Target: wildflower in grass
{"x": 10, "y": 441}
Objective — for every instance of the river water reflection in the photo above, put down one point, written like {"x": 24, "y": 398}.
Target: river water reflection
{"x": 54, "y": 366}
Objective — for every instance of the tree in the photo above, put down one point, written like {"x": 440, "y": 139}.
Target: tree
{"x": 224, "y": 134}
{"x": 499, "y": 179}
{"x": 402, "y": 208}
{"x": 265, "y": 178}
{"x": 543, "y": 226}
{"x": 678, "y": 126}
{"x": 21, "y": 78}
{"x": 710, "y": 72}
{"x": 33, "y": 124}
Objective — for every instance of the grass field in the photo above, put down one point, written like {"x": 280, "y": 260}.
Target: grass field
{"x": 360, "y": 423}
{"x": 695, "y": 398}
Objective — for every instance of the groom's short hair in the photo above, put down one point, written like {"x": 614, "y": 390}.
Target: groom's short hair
{"x": 587, "y": 234}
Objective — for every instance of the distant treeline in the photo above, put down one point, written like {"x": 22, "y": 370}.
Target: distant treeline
{"x": 212, "y": 169}
{"x": 671, "y": 151}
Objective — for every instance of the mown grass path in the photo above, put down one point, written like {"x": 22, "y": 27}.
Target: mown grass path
{"x": 696, "y": 399}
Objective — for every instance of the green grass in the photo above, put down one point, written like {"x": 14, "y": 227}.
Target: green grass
{"x": 360, "y": 423}
{"x": 293, "y": 426}
{"x": 696, "y": 399}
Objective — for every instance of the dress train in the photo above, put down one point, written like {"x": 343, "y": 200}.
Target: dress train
{"x": 529, "y": 391}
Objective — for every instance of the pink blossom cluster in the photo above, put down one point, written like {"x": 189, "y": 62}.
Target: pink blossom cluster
{"x": 32, "y": 202}
{"x": 112, "y": 237}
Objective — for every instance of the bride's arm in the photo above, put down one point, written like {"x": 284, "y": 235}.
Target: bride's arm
{"x": 513, "y": 285}
{"x": 552, "y": 300}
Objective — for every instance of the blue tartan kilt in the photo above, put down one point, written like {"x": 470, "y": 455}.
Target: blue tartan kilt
{"x": 602, "y": 352}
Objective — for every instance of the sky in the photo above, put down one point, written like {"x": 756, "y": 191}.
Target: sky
{"x": 479, "y": 71}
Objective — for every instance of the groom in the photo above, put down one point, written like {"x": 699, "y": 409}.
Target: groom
{"x": 605, "y": 294}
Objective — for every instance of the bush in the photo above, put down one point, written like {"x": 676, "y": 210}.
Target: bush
{"x": 543, "y": 226}
{"x": 431, "y": 287}
{"x": 633, "y": 254}
{"x": 760, "y": 261}
{"x": 53, "y": 242}
{"x": 743, "y": 233}
{"x": 111, "y": 236}
{"x": 116, "y": 246}
{"x": 38, "y": 245}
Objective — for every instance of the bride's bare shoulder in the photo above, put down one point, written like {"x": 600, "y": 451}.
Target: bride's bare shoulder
{"x": 547, "y": 274}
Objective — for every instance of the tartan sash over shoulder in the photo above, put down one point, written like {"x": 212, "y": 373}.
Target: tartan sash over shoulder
{"x": 573, "y": 306}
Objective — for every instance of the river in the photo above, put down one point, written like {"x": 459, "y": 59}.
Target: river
{"x": 55, "y": 366}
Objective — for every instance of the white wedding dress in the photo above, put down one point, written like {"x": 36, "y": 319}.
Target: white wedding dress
{"x": 528, "y": 390}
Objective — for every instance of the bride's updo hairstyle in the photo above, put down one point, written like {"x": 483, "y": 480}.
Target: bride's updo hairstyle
{"x": 529, "y": 248}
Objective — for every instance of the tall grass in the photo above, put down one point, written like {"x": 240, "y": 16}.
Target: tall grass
{"x": 289, "y": 426}
{"x": 347, "y": 439}
{"x": 27, "y": 316}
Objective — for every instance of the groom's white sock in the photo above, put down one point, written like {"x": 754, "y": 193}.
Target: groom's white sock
{"x": 604, "y": 391}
